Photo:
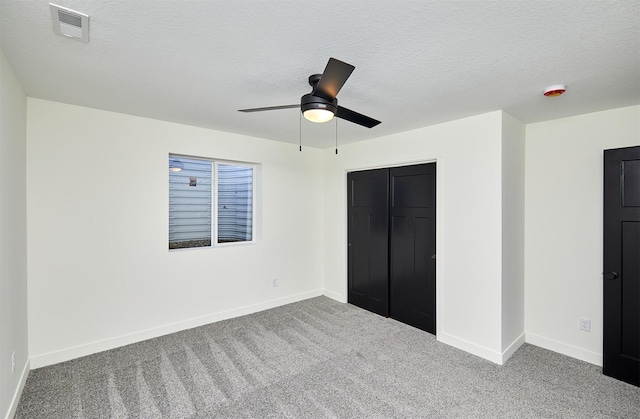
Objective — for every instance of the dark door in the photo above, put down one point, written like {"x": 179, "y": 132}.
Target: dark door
{"x": 368, "y": 243}
{"x": 412, "y": 273}
{"x": 621, "y": 349}
{"x": 391, "y": 235}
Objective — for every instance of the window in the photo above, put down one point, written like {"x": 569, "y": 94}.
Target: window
{"x": 202, "y": 190}
{"x": 235, "y": 203}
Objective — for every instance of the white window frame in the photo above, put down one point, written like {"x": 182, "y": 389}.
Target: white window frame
{"x": 255, "y": 168}
{"x": 214, "y": 207}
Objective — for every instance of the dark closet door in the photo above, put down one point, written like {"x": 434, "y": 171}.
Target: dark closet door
{"x": 621, "y": 350}
{"x": 412, "y": 276}
{"x": 368, "y": 229}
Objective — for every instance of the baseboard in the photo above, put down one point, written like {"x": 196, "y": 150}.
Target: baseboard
{"x": 564, "y": 348}
{"x": 335, "y": 296}
{"x": 67, "y": 354}
{"x": 13, "y": 405}
{"x": 470, "y": 347}
{"x": 511, "y": 349}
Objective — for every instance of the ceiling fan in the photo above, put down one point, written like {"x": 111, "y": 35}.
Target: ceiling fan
{"x": 321, "y": 105}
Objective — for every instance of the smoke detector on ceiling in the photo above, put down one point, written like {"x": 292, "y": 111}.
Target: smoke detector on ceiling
{"x": 70, "y": 23}
{"x": 555, "y": 90}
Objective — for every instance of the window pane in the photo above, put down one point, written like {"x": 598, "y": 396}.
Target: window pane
{"x": 189, "y": 203}
{"x": 235, "y": 203}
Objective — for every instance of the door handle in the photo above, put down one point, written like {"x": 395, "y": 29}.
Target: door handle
{"x": 611, "y": 275}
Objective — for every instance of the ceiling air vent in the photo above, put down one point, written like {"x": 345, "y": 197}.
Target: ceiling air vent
{"x": 70, "y": 23}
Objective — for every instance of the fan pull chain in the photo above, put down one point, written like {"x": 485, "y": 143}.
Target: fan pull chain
{"x": 336, "y": 135}
{"x": 300, "y": 113}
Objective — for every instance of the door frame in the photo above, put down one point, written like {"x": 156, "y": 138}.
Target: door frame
{"x": 440, "y": 200}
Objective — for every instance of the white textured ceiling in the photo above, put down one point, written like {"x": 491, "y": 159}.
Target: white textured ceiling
{"x": 417, "y": 63}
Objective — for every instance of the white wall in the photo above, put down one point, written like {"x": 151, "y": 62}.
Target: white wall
{"x": 100, "y": 273}
{"x": 563, "y": 227}
{"x": 513, "y": 172}
{"x": 469, "y": 222}
{"x": 96, "y": 176}
{"x": 13, "y": 247}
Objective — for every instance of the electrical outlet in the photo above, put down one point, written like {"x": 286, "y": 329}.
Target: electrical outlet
{"x": 585, "y": 325}
{"x": 13, "y": 362}
{"x": 274, "y": 282}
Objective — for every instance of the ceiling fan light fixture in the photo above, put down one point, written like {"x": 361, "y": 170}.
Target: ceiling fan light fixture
{"x": 318, "y": 115}
{"x": 318, "y": 109}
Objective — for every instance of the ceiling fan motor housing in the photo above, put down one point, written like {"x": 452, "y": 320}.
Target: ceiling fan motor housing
{"x": 310, "y": 101}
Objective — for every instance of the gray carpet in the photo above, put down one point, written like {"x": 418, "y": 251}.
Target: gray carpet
{"x": 319, "y": 358}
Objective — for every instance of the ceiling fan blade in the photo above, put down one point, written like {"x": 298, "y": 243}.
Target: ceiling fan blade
{"x": 335, "y": 75}
{"x": 356, "y": 118}
{"x": 269, "y": 108}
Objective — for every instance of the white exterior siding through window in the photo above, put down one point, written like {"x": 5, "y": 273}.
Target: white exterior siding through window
{"x": 235, "y": 203}
{"x": 190, "y": 198}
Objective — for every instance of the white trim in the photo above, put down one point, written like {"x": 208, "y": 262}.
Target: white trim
{"x": 62, "y": 355}
{"x": 13, "y": 405}
{"x": 214, "y": 207}
{"x": 345, "y": 238}
{"x": 564, "y": 348}
{"x": 440, "y": 248}
{"x": 394, "y": 164}
{"x": 511, "y": 349}
{"x": 470, "y": 347}
{"x": 335, "y": 296}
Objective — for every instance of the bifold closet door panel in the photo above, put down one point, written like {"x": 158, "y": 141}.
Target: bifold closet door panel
{"x": 412, "y": 246}
{"x": 368, "y": 244}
